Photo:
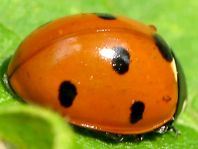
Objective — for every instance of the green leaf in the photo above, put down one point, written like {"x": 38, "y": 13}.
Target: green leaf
{"x": 187, "y": 139}
{"x": 9, "y": 41}
{"x": 176, "y": 20}
{"x": 32, "y": 127}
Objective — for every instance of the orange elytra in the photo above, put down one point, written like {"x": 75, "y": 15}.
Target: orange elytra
{"x": 102, "y": 72}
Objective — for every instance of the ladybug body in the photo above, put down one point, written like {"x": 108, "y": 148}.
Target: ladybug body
{"x": 101, "y": 72}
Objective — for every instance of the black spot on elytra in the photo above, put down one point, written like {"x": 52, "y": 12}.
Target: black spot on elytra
{"x": 163, "y": 48}
{"x": 106, "y": 16}
{"x": 137, "y": 110}
{"x": 67, "y": 93}
{"x": 121, "y": 60}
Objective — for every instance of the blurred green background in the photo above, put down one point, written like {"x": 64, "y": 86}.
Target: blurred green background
{"x": 176, "y": 21}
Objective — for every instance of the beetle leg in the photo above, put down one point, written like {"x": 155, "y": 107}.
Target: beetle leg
{"x": 139, "y": 138}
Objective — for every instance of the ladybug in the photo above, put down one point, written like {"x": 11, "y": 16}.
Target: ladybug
{"x": 102, "y": 72}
